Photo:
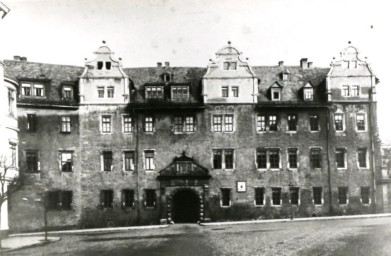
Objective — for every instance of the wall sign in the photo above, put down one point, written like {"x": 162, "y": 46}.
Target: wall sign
{"x": 241, "y": 186}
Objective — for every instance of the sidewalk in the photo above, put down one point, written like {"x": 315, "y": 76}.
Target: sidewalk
{"x": 19, "y": 242}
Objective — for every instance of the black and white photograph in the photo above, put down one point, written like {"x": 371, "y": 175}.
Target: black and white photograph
{"x": 195, "y": 127}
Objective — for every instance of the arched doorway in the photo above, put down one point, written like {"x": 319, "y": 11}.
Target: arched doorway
{"x": 185, "y": 207}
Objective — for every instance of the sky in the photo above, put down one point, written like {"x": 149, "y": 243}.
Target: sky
{"x": 190, "y": 32}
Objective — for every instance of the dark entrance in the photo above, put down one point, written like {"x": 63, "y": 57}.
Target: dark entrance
{"x": 185, "y": 207}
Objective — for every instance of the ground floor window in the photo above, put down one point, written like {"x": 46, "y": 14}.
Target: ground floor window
{"x": 294, "y": 193}
{"x": 225, "y": 197}
{"x": 106, "y": 198}
{"x": 150, "y": 198}
{"x": 342, "y": 195}
{"x": 317, "y": 195}
{"x": 59, "y": 200}
{"x": 259, "y": 196}
{"x": 127, "y": 198}
{"x": 276, "y": 196}
{"x": 365, "y": 195}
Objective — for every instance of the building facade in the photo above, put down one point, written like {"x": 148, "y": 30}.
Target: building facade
{"x": 115, "y": 146}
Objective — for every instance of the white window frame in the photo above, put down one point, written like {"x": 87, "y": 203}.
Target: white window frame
{"x": 322, "y": 197}
{"x": 308, "y": 92}
{"x": 123, "y": 123}
{"x": 345, "y": 91}
{"x": 145, "y": 124}
{"x": 109, "y": 95}
{"x": 102, "y": 161}
{"x": 369, "y": 195}
{"x": 347, "y": 196}
{"x": 181, "y": 88}
{"x": 355, "y": 88}
{"x": 66, "y": 152}
{"x": 152, "y": 163}
{"x": 271, "y": 197}
{"x": 366, "y": 158}
{"x": 221, "y": 197}
{"x": 343, "y": 122}
{"x": 223, "y": 123}
{"x": 297, "y": 158}
{"x": 101, "y": 124}
{"x": 365, "y": 121}
{"x": 298, "y": 196}
{"x": 278, "y": 90}
{"x": 132, "y": 165}
{"x": 345, "y": 156}
{"x": 223, "y": 167}
{"x": 66, "y": 123}
{"x": 309, "y": 122}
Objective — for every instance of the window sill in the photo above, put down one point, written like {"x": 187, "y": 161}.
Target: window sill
{"x": 342, "y": 169}
{"x": 261, "y": 169}
{"x": 127, "y": 132}
{"x": 150, "y": 207}
{"x": 183, "y": 133}
{"x": 65, "y": 133}
{"x": 363, "y": 168}
{"x": 275, "y": 169}
{"x": 149, "y": 133}
{"x": 277, "y": 205}
{"x": 225, "y": 206}
{"x": 66, "y": 171}
{"x": 105, "y": 133}
{"x": 361, "y": 131}
{"x": 259, "y": 205}
{"x": 314, "y": 131}
{"x": 293, "y": 169}
{"x": 318, "y": 205}
{"x": 292, "y": 132}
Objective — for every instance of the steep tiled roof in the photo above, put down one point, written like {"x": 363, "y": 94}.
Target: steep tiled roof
{"x": 56, "y": 75}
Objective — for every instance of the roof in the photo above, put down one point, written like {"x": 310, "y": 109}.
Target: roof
{"x": 57, "y": 75}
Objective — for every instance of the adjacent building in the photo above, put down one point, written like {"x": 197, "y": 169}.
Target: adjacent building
{"x": 115, "y": 146}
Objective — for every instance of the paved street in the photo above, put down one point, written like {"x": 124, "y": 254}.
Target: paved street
{"x": 331, "y": 237}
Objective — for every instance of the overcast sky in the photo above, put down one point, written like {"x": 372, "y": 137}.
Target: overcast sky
{"x": 189, "y": 32}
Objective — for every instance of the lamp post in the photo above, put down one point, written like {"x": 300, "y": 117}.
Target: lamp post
{"x": 43, "y": 202}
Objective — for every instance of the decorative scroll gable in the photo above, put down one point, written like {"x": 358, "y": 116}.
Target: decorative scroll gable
{"x": 184, "y": 167}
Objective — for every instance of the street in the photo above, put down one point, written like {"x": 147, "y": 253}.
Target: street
{"x": 331, "y": 237}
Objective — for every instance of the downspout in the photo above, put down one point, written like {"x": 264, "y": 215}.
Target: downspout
{"x": 328, "y": 161}
{"x": 371, "y": 155}
{"x": 137, "y": 169}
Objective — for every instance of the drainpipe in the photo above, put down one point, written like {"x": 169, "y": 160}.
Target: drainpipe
{"x": 371, "y": 153}
{"x": 137, "y": 168}
{"x": 328, "y": 161}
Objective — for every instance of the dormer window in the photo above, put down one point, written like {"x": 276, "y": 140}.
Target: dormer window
{"x": 166, "y": 77}
{"x": 108, "y": 65}
{"x": 308, "y": 92}
{"x": 229, "y": 65}
{"x": 285, "y": 76}
{"x": 275, "y": 91}
{"x": 100, "y": 65}
{"x": 180, "y": 93}
{"x": 154, "y": 92}
{"x": 67, "y": 92}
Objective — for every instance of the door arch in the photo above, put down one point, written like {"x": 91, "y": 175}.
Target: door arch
{"x": 185, "y": 206}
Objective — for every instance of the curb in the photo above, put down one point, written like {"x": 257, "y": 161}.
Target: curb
{"x": 41, "y": 243}
{"x": 92, "y": 230}
{"x": 297, "y": 220}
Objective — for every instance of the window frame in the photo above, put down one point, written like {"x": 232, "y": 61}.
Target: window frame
{"x": 31, "y": 122}
{"x": 308, "y": 92}
{"x": 110, "y": 92}
{"x": 362, "y": 195}
{"x": 150, "y": 198}
{"x": 35, "y": 164}
{"x": 64, "y": 89}
{"x": 125, "y": 124}
{"x": 222, "y": 158}
{"x": 296, "y": 190}
{"x": 230, "y": 65}
{"x": 338, "y": 152}
{"x": 341, "y": 126}
{"x": 182, "y": 88}
{"x": 106, "y": 126}
{"x": 273, "y": 91}
{"x": 149, "y": 159}
{"x": 60, "y": 202}
{"x": 34, "y": 86}
{"x": 312, "y": 160}
{"x": 154, "y": 92}
{"x": 343, "y": 195}
{"x": 11, "y": 101}
{"x": 279, "y": 190}
{"x": 220, "y": 123}
{"x": 128, "y": 166}
{"x": 314, "y": 200}
{"x": 235, "y": 91}
{"x": 149, "y": 125}
{"x": 259, "y": 193}
{"x": 365, "y": 151}
{"x": 292, "y": 122}
{"x": 289, "y": 154}
{"x": 364, "y": 122}
{"x": 107, "y": 161}
{"x": 128, "y": 198}
{"x": 271, "y": 152}
{"x": 312, "y": 117}
{"x": 225, "y": 197}
{"x": 101, "y": 92}
{"x": 345, "y": 91}
{"x": 68, "y": 168}
{"x": 107, "y": 198}
{"x": 66, "y": 124}
{"x": 355, "y": 91}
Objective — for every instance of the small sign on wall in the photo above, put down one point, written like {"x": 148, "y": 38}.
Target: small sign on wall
{"x": 241, "y": 186}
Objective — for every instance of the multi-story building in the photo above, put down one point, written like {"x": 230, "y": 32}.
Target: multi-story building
{"x": 114, "y": 146}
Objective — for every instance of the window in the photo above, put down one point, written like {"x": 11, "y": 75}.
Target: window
{"x": 129, "y": 160}
{"x": 224, "y": 91}
{"x": 217, "y": 158}
{"x": 127, "y": 124}
{"x": 340, "y": 157}
{"x": 107, "y": 161}
{"x": 276, "y": 94}
{"x": 342, "y": 195}
{"x": 259, "y": 196}
{"x": 184, "y": 124}
{"x": 33, "y": 89}
{"x": 127, "y": 198}
{"x": 189, "y": 124}
{"x": 276, "y": 196}
{"x": 360, "y": 122}
{"x": 106, "y": 198}
{"x": 229, "y": 158}
{"x": 11, "y": 102}
{"x": 227, "y": 65}
{"x": 292, "y": 122}
{"x": 66, "y": 124}
{"x": 317, "y": 195}
{"x": 148, "y": 124}
{"x": 150, "y": 198}
{"x": 13, "y": 154}
{"x": 149, "y": 160}
{"x": 166, "y": 77}
{"x": 106, "y": 124}
{"x": 355, "y": 90}
{"x": 31, "y": 122}
{"x": 66, "y": 161}
{"x": 294, "y": 193}
{"x": 100, "y": 65}
{"x": 228, "y": 123}
{"x": 67, "y": 93}
{"x": 308, "y": 94}
{"x": 101, "y": 92}
{"x": 261, "y": 159}
{"x": 180, "y": 93}
{"x": 362, "y": 157}
{"x": 178, "y": 124}
{"x": 59, "y": 200}
{"x": 345, "y": 91}
{"x": 223, "y": 159}
{"x": 266, "y": 123}
{"x": 154, "y": 92}
{"x": 110, "y": 92}
{"x": 108, "y": 65}
{"x": 217, "y": 123}
{"x": 314, "y": 122}
{"x": 225, "y": 197}
{"x": 338, "y": 122}
{"x": 292, "y": 158}
{"x": 32, "y": 161}
{"x": 235, "y": 91}
{"x": 274, "y": 158}
{"x": 315, "y": 158}
{"x": 365, "y": 195}
{"x": 285, "y": 76}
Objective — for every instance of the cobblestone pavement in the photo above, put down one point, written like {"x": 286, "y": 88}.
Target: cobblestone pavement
{"x": 332, "y": 237}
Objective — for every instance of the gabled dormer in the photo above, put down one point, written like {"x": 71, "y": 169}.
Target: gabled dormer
{"x": 285, "y": 75}
{"x": 229, "y": 79}
{"x": 275, "y": 91}
{"x": 103, "y": 80}
{"x": 350, "y": 77}
{"x": 308, "y": 92}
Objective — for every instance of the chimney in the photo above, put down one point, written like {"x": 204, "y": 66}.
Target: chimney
{"x": 303, "y": 63}
{"x": 23, "y": 58}
{"x": 16, "y": 57}
{"x": 167, "y": 64}
{"x": 281, "y": 63}
{"x": 159, "y": 64}
{"x": 310, "y": 64}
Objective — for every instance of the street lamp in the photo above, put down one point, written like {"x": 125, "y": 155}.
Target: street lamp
{"x": 45, "y": 213}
